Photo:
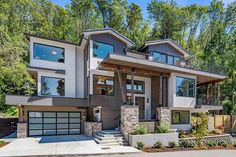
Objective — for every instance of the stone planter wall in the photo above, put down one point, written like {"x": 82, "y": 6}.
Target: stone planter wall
{"x": 206, "y": 139}
{"x": 129, "y": 119}
{"x": 90, "y": 128}
{"x": 22, "y": 130}
{"x": 150, "y": 139}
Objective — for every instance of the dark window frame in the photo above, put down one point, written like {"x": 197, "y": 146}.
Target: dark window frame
{"x": 179, "y": 113}
{"x": 113, "y": 47}
{"x": 166, "y": 56}
{"x": 64, "y": 56}
{"x": 194, "y": 87}
{"x": 54, "y": 78}
{"x": 113, "y": 78}
{"x": 56, "y": 117}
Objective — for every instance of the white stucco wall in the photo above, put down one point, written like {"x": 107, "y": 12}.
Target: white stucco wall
{"x": 73, "y": 66}
{"x": 179, "y": 101}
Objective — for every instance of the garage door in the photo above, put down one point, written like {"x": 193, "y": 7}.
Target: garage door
{"x": 53, "y": 123}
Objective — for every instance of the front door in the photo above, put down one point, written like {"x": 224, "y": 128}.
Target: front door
{"x": 140, "y": 101}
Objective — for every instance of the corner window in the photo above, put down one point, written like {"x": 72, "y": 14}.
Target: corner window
{"x": 103, "y": 85}
{"x": 176, "y": 60}
{"x": 101, "y": 50}
{"x": 185, "y": 87}
{"x": 48, "y": 53}
{"x": 180, "y": 117}
{"x": 170, "y": 60}
{"x": 52, "y": 86}
{"x": 139, "y": 86}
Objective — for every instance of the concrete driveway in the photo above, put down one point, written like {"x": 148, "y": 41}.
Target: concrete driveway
{"x": 60, "y": 145}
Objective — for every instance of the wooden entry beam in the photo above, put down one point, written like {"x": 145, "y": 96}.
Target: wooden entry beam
{"x": 130, "y": 70}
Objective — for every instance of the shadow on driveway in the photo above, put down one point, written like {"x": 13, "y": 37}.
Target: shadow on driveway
{"x": 64, "y": 138}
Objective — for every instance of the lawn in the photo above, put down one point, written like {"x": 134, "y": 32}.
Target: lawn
{"x": 2, "y": 143}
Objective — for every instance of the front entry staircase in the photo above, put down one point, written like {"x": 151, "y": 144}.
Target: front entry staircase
{"x": 110, "y": 138}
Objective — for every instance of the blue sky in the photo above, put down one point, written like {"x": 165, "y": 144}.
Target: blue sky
{"x": 143, "y": 3}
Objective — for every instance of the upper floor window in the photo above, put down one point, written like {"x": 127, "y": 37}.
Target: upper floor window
{"x": 103, "y": 85}
{"x": 164, "y": 58}
{"x": 101, "y": 50}
{"x": 139, "y": 86}
{"x": 48, "y": 53}
{"x": 52, "y": 86}
{"x": 185, "y": 87}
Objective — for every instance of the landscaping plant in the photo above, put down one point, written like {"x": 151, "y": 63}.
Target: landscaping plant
{"x": 223, "y": 143}
{"x": 162, "y": 128}
{"x": 186, "y": 144}
{"x": 158, "y": 145}
{"x": 140, "y": 145}
{"x": 141, "y": 130}
{"x": 211, "y": 144}
{"x": 201, "y": 128}
{"x": 172, "y": 144}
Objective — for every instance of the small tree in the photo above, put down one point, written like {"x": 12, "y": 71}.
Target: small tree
{"x": 201, "y": 128}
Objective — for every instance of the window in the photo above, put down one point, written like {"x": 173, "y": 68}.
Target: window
{"x": 180, "y": 117}
{"x": 101, "y": 50}
{"x": 170, "y": 60}
{"x": 48, "y": 53}
{"x": 159, "y": 57}
{"x": 52, "y": 86}
{"x": 139, "y": 86}
{"x": 185, "y": 87}
{"x": 176, "y": 60}
{"x": 103, "y": 85}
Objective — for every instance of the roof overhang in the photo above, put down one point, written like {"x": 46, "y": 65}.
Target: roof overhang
{"x": 45, "y": 101}
{"x": 202, "y": 76}
{"x": 89, "y": 32}
{"x": 168, "y": 41}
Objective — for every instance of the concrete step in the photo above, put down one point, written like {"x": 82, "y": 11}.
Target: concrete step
{"x": 110, "y": 132}
{"x": 109, "y": 137}
{"x": 107, "y": 141}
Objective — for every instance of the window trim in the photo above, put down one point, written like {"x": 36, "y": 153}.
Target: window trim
{"x": 113, "y": 78}
{"x": 194, "y": 91}
{"x": 53, "y": 95}
{"x": 113, "y": 47}
{"x": 179, "y": 112}
{"x": 49, "y": 46}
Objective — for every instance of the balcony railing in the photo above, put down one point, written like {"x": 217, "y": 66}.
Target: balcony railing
{"x": 211, "y": 101}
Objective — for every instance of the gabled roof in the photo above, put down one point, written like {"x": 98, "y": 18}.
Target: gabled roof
{"x": 168, "y": 41}
{"x": 123, "y": 38}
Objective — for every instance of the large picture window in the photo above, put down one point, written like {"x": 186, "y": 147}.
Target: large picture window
{"x": 139, "y": 86}
{"x": 185, "y": 87}
{"x": 180, "y": 117}
{"x": 101, "y": 50}
{"x": 48, "y": 53}
{"x": 165, "y": 58}
{"x": 103, "y": 85}
{"x": 52, "y": 86}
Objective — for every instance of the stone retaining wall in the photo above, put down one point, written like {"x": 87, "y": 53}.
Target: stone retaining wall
{"x": 22, "y": 130}
{"x": 90, "y": 128}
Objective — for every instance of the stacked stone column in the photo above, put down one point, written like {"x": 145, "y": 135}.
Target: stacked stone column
{"x": 164, "y": 115}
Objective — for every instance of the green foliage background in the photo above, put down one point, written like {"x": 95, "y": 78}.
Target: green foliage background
{"x": 207, "y": 32}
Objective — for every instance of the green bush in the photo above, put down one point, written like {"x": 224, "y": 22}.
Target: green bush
{"x": 162, "y": 128}
{"x": 158, "y": 145}
{"x": 172, "y": 144}
{"x": 186, "y": 144}
{"x": 140, "y": 145}
{"x": 223, "y": 143}
{"x": 141, "y": 130}
{"x": 211, "y": 144}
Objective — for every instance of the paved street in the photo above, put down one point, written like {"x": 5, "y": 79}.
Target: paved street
{"x": 202, "y": 153}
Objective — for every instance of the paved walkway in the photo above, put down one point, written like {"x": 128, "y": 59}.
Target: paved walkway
{"x": 200, "y": 153}
{"x": 60, "y": 145}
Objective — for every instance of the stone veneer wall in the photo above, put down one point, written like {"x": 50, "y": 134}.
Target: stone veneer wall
{"x": 211, "y": 125}
{"x": 90, "y": 128}
{"x": 22, "y": 130}
{"x": 164, "y": 115}
{"x": 129, "y": 119}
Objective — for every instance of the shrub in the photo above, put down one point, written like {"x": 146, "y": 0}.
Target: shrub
{"x": 141, "y": 130}
{"x": 234, "y": 144}
{"x": 172, "y": 144}
{"x": 223, "y": 143}
{"x": 162, "y": 128}
{"x": 211, "y": 144}
{"x": 216, "y": 131}
{"x": 158, "y": 145}
{"x": 140, "y": 145}
{"x": 186, "y": 144}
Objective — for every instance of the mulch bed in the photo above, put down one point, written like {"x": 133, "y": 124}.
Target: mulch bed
{"x": 166, "y": 149}
{"x": 3, "y": 144}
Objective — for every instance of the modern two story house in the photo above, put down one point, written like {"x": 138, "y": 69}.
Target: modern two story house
{"x": 90, "y": 81}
